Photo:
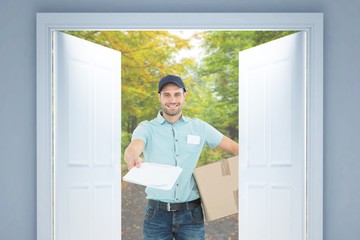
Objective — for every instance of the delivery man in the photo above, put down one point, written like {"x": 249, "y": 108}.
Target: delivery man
{"x": 174, "y": 139}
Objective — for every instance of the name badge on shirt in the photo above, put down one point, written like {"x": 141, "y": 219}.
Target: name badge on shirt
{"x": 193, "y": 139}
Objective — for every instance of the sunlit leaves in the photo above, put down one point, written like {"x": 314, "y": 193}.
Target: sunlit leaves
{"x": 211, "y": 81}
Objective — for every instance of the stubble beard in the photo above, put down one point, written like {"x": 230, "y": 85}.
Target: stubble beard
{"x": 172, "y": 114}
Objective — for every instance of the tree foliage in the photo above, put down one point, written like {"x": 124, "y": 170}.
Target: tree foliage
{"x": 219, "y": 68}
{"x": 146, "y": 56}
{"x": 212, "y": 81}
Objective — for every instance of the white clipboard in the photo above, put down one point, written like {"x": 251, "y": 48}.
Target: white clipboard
{"x": 154, "y": 175}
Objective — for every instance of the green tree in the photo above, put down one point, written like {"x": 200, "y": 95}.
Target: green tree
{"x": 212, "y": 83}
{"x": 219, "y": 72}
{"x": 219, "y": 69}
{"x": 146, "y": 56}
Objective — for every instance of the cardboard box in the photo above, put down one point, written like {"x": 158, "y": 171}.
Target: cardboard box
{"x": 218, "y": 184}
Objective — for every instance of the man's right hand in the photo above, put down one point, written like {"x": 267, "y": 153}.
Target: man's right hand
{"x": 132, "y": 153}
{"x": 134, "y": 162}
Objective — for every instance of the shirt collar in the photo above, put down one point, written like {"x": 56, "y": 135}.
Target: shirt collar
{"x": 161, "y": 120}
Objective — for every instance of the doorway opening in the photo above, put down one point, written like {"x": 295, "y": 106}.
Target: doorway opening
{"x": 207, "y": 61}
{"x": 46, "y": 26}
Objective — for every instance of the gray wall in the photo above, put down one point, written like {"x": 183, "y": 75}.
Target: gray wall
{"x": 18, "y": 101}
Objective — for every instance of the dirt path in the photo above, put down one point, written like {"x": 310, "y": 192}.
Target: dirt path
{"x": 133, "y": 204}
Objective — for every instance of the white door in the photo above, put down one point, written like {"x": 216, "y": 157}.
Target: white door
{"x": 272, "y": 140}
{"x": 86, "y": 140}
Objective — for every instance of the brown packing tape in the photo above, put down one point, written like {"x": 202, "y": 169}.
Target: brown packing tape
{"x": 225, "y": 169}
{"x": 236, "y": 198}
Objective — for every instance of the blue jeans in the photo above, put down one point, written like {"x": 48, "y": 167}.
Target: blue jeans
{"x": 160, "y": 224}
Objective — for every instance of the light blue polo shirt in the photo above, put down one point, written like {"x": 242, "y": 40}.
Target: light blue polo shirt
{"x": 179, "y": 144}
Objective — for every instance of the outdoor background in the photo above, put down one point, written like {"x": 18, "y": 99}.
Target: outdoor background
{"x": 207, "y": 61}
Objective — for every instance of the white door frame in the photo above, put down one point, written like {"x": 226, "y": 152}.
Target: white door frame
{"x": 312, "y": 23}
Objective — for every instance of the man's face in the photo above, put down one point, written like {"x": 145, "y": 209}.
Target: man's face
{"x": 172, "y": 98}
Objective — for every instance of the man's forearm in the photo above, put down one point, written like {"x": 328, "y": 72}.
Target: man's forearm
{"x": 132, "y": 153}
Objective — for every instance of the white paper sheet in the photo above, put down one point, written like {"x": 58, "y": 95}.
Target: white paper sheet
{"x": 154, "y": 175}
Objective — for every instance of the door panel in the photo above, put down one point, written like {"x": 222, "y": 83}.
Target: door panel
{"x": 272, "y": 140}
{"x": 87, "y": 140}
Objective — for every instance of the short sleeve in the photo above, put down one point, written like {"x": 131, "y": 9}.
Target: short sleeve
{"x": 212, "y": 136}
{"x": 141, "y": 132}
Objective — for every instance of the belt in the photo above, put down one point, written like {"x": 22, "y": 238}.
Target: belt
{"x": 172, "y": 207}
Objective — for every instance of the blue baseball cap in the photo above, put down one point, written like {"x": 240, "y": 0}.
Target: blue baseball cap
{"x": 171, "y": 79}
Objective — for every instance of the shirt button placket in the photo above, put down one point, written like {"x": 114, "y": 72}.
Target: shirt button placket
{"x": 177, "y": 189}
{"x": 175, "y": 147}
{"x": 176, "y": 160}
